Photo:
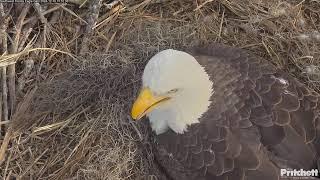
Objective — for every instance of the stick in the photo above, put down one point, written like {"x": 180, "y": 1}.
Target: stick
{"x": 112, "y": 4}
{"x": 201, "y": 5}
{"x": 4, "y": 146}
{"x": 12, "y": 67}
{"x": 5, "y": 94}
{"x": 94, "y": 8}
{"x": 12, "y": 87}
{"x": 40, "y": 13}
{"x": 4, "y": 45}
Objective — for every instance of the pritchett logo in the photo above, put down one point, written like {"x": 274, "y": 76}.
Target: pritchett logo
{"x": 299, "y": 173}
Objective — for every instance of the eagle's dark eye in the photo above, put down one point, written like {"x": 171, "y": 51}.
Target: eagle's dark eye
{"x": 173, "y": 91}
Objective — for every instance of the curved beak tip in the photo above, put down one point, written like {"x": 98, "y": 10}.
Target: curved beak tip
{"x": 134, "y": 115}
{"x": 138, "y": 109}
{"x": 145, "y": 103}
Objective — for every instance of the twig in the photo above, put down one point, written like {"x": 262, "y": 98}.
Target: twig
{"x": 25, "y": 35}
{"x": 7, "y": 166}
{"x": 141, "y": 5}
{"x": 110, "y": 16}
{"x": 4, "y": 45}
{"x": 40, "y": 130}
{"x": 135, "y": 128}
{"x": 221, "y": 24}
{"x": 12, "y": 67}
{"x": 94, "y": 8}
{"x": 10, "y": 59}
{"x": 9, "y": 174}
{"x": 28, "y": 27}
{"x": 29, "y": 64}
{"x": 73, "y": 14}
{"x": 2, "y": 14}
{"x": 201, "y": 5}
{"x": 4, "y": 145}
{"x": 83, "y": 3}
{"x": 3, "y": 34}
{"x": 33, "y": 163}
{"x": 110, "y": 41}
{"x": 12, "y": 87}
{"x": 112, "y": 4}
{"x": 40, "y": 13}
{"x": 43, "y": 13}
{"x": 42, "y": 42}
{"x": 17, "y": 35}
{"x": 5, "y": 94}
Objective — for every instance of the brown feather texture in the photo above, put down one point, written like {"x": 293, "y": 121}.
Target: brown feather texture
{"x": 260, "y": 120}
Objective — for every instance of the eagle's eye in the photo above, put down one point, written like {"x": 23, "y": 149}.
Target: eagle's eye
{"x": 173, "y": 91}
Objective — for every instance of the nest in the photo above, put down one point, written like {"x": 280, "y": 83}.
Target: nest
{"x": 70, "y": 73}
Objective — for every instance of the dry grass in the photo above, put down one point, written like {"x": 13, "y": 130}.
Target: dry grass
{"x": 85, "y": 70}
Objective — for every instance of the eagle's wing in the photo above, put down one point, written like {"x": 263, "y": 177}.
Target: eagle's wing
{"x": 261, "y": 120}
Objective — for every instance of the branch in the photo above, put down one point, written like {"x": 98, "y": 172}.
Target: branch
{"x": 12, "y": 67}
{"x": 4, "y": 45}
{"x": 92, "y": 17}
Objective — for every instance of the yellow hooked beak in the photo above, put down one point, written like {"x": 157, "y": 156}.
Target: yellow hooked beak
{"x": 145, "y": 103}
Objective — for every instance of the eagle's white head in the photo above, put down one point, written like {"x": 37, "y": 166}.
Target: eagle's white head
{"x": 176, "y": 92}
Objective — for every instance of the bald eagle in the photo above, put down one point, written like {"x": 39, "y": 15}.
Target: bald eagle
{"x": 219, "y": 112}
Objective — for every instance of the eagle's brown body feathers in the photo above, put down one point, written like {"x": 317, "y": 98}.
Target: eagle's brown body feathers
{"x": 260, "y": 120}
